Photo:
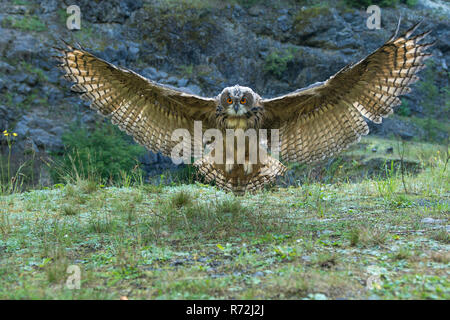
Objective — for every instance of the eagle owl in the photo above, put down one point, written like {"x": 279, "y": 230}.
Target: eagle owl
{"x": 313, "y": 123}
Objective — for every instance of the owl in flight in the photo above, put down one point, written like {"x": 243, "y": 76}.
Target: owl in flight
{"x": 313, "y": 123}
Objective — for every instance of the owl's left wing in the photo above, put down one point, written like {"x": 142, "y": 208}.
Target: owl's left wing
{"x": 325, "y": 118}
{"x": 144, "y": 109}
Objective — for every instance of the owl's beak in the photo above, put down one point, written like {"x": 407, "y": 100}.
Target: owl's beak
{"x": 236, "y": 107}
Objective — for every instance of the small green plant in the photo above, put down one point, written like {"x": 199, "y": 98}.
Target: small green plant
{"x": 381, "y": 3}
{"x": 316, "y": 198}
{"x": 181, "y": 199}
{"x": 230, "y": 206}
{"x": 187, "y": 70}
{"x": 62, "y": 16}
{"x": 403, "y": 109}
{"x": 227, "y": 249}
{"x": 134, "y": 177}
{"x": 5, "y": 225}
{"x": 27, "y": 23}
{"x": 104, "y": 155}
{"x": 441, "y": 235}
{"x": 387, "y": 186}
{"x": 325, "y": 260}
{"x": 101, "y": 222}
{"x": 69, "y": 210}
{"x": 285, "y": 253}
{"x": 276, "y": 62}
{"x": 87, "y": 186}
{"x": 410, "y": 3}
{"x": 354, "y": 236}
{"x": 29, "y": 68}
{"x": 127, "y": 209}
{"x": 402, "y": 254}
{"x": 152, "y": 188}
{"x": 366, "y": 236}
{"x": 10, "y": 182}
{"x": 249, "y": 3}
{"x": 55, "y": 265}
{"x": 20, "y": 2}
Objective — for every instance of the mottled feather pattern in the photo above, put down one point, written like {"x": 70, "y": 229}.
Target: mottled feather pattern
{"x": 237, "y": 182}
{"x": 148, "y": 111}
{"x": 314, "y": 123}
{"x": 330, "y": 115}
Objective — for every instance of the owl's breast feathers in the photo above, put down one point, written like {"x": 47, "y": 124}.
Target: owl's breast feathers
{"x": 237, "y": 123}
{"x": 241, "y": 177}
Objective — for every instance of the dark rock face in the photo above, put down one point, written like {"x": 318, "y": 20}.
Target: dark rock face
{"x": 115, "y": 11}
{"x": 199, "y": 48}
{"x": 396, "y": 127}
{"x": 5, "y": 117}
{"x": 45, "y": 133}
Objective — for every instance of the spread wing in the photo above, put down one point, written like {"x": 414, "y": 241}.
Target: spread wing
{"x": 325, "y": 118}
{"x": 144, "y": 109}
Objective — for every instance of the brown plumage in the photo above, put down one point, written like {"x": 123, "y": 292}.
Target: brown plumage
{"x": 314, "y": 123}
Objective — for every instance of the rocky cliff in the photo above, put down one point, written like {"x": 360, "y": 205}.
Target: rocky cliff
{"x": 202, "y": 46}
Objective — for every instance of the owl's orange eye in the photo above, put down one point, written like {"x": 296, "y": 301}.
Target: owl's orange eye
{"x": 243, "y": 100}
{"x": 229, "y": 101}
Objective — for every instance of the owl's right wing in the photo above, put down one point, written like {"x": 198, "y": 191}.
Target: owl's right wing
{"x": 144, "y": 109}
{"x": 325, "y": 118}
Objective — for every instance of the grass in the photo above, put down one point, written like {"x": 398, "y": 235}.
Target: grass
{"x": 11, "y": 179}
{"x": 316, "y": 241}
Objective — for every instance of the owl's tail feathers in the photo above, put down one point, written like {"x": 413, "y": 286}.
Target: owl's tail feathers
{"x": 236, "y": 181}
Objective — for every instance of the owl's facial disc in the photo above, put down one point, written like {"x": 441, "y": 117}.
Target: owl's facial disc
{"x": 236, "y": 108}
{"x": 236, "y": 101}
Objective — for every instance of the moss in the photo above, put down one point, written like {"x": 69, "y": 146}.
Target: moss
{"x": 381, "y": 3}
{"x": 276, "y": 62}
{"x": 203, "y": 70}
{"x": 304, "y": 17}
{"x": 250, "y": 3}
{"x": 29, "y": 68}
{"x": 7, "y": 98}
{"x": 62, "y": 16}
{"x": 191, "y": 23}
{"x": 27, "y": 23}
{"x": 30, "y": 98}
{"x": 21, "y": 3}
{"x": 186, "y": 70}
{"x": 366, "y": 3}
{"x": 189, "y": 4}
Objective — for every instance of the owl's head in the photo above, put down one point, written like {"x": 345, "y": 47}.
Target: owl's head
{"x": 237, "y": 101}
